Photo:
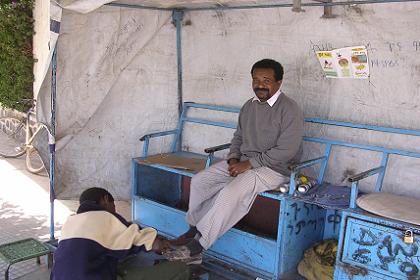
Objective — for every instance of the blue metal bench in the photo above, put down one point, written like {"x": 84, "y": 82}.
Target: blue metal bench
{"x": 157, "y": 191}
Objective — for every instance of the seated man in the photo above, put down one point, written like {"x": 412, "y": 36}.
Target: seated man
{"x": 267, "y": 140}
{"x": 96, "y": 238}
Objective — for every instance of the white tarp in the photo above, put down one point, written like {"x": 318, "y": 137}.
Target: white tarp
{"x": 117, "y": 80}
{"x": 82, "y": 6}
{"x": 219, "y": 74}
{"x": 86, "y": 6}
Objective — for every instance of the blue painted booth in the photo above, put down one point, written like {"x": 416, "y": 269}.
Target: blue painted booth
{"x": 159, "y": 199}
{"x": 373, "y": 246}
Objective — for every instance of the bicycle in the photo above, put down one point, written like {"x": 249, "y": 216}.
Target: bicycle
{"x": 19, "y": 134}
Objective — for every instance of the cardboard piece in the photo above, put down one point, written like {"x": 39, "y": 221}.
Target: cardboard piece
{"x": 178, "y": 162}
{"x": 397, "y": 207}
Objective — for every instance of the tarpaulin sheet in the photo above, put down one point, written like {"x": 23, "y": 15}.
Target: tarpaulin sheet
{"x": 117, "y": 80}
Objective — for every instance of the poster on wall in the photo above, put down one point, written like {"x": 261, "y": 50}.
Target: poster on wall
{"x": 350, "y": 62}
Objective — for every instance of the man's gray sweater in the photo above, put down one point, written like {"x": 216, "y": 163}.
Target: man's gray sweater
{"x": 269, "y": 136}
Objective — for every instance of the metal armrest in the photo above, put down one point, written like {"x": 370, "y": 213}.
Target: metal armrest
{"x": 299, "y": 166}
{"x": 211, "y": 152}
{"x": 295, "y": 168}
{"x": 365, "y": 174}
{"x": 157, "y": 134}
{"x": 147, "y": 137}
{"x": 355, "y": 182}
{"x": 216, "y": 148}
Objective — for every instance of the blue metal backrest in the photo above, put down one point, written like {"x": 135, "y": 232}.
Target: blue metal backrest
{"x": 385, "y": 152}
{"x": 184, "y": 118}
{"x": 327, "y": 142}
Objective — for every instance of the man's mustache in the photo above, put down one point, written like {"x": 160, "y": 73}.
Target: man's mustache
{"x": 261, "y": 89}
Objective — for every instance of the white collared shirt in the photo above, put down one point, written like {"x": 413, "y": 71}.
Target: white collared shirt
{"x": 271, "y": 100}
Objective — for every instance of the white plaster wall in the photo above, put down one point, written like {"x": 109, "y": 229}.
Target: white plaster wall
{"x": 41, "y": 38}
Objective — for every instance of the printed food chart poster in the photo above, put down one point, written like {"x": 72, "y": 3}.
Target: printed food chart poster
{"x": 350, "y": 62}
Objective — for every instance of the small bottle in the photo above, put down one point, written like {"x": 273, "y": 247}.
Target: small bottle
{"x": 304, "y": 184}
{"x": 284, "y": 188}
{"x": 304, "y": 188}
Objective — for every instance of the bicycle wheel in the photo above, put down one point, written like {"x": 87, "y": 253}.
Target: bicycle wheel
{"x": 34, "y": 162}
{"x": 12, "y": 137}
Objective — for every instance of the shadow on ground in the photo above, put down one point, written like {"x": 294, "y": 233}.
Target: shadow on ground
{"x": 16, "y": 225}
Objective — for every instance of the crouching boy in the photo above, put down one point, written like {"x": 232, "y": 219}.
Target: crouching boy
{"x": 96, "y": 239}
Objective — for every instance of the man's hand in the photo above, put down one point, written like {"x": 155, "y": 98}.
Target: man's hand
{"x": 237, "y": 167}
{"x": 232, "y": 161}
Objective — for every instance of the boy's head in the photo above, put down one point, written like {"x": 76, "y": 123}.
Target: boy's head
{"x": 100, "y": 196}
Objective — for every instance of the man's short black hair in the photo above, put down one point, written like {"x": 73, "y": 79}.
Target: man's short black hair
{"x": 271, "y": 64}
{"x": 95, "y": 195}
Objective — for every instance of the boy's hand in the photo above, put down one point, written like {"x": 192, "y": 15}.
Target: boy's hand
{"x": 160, "y": 244}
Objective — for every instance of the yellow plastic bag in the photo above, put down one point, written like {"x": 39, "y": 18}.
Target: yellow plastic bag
{"x": 319, "y": 260}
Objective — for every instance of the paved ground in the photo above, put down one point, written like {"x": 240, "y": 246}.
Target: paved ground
{"x": 24, "y": 212}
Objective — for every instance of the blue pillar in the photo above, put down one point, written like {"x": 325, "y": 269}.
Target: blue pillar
{"x": 177, "y": 16}
{"x": 51, "y": 140}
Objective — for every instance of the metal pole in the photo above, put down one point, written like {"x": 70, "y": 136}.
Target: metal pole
{"x": 268, "y": 6}
{"x": 328, "y": 11}
{"x": 297, "y": 6}
{"x": 177, "y": 16}
{"x": 51, "y": 140}
{"x": 308, "y": 4}
{"x": 136, "y": 6}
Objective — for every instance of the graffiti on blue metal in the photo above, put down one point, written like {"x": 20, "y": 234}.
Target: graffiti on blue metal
{"x": 296, "y": 228}
{"x": 352, "y": 270}
{"x": 306, "y": 208}
{"x": 299, "y": 226}
{"x": 296, "y": 211}
{"x": 301, "y": 218}
{"x": 387, "y": 252}
{"x": 412, "y": 269}
{"x": 362, "y": 256}
{"x": 334, "y": 219}
{"x": 366, "y": 238}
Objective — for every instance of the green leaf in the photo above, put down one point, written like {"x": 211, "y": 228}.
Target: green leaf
{"x": 16, "y": 60}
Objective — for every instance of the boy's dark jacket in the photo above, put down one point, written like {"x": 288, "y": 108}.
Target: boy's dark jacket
{"x": 92, "y": 242}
